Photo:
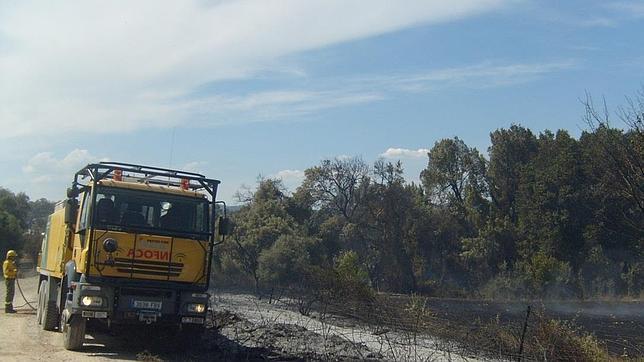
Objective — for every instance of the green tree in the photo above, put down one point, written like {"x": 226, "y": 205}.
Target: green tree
{"x": 259, "y": 225}
{"x": 14, "y": 212}
{"x": 550, "y": 200}
{"x": 11, "y": 232}
{"x": 288, "y": 262}
{"x": 510, "y": 150}
{"x": 455, "y": 174}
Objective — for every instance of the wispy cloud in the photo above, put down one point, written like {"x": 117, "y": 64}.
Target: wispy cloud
{"x": 402, "y": 153}
{"x": 599, "y": 14}
{"x": 97, "y": 66}
{"x": 291, "y": 103}
{"x": 632, "y": 9}
{"x": 483, "y": 75}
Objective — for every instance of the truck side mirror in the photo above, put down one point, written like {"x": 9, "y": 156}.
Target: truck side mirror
{"x": 71, "y": 206}
{"x": 225, "y": 226}
{"x": 72, "y": 192}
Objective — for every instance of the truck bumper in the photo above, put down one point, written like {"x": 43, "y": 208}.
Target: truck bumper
{"x": 127, "y": 305}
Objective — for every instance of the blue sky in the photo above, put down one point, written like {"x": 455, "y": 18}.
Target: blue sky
{"x": 237, "y": 89}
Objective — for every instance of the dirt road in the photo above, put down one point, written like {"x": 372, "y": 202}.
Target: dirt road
{"x": 21, "y": 339}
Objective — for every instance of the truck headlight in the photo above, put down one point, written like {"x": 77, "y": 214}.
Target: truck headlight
{"x": 196, "y": 308}
{"x": 92, "y": 301}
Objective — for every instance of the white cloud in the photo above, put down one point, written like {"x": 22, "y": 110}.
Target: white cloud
{"x": 45, "y": 167}
{"x": 400, "y": 153}
{"x": 96, "y": 66}
{"x": 290, "y": 178}
{"x": 290, "y": 175}
{"x": 194, "y": 166}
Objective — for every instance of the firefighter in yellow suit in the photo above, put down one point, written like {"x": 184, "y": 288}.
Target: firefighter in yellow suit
{"x": 10, "y": 272}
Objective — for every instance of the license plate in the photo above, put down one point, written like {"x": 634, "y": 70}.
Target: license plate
{"x": 147, "y": 304}
{"x": 196, "y": 320}
{"x": 92, "y": 314}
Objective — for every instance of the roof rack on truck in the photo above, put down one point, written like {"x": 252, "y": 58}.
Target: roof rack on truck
{"x": 147, "y": 175}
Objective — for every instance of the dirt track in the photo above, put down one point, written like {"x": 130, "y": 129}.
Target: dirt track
{"x": 21, "y": 339}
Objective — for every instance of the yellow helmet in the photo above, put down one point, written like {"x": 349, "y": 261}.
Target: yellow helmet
{"x": 11, "y": 253}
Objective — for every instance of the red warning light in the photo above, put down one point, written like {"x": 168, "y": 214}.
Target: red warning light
{"x": 117, "y": 175}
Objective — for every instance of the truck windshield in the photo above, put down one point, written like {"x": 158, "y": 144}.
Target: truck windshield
{"x": 151, "y": 212}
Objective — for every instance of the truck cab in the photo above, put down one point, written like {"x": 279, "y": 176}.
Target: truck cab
{"x": 131, "y": 245}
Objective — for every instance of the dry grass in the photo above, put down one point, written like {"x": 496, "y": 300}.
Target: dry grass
{"x": 545, "y": 339}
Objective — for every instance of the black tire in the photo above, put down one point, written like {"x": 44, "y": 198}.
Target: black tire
{"x": 49, "y": 316}
{"x": 189, "y": 337}
{"x": 74, "y": 333}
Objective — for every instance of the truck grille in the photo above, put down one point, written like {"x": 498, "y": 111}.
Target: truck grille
{"x": 146, "y": 292}
{"x": 148, "y": 267}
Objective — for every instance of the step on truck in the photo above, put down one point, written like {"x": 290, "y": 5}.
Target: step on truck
{"x": 131, "y": 245}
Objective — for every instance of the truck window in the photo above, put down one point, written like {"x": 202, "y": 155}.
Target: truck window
{"x": 83, "y": 220}
{"x": 130, "y": 209}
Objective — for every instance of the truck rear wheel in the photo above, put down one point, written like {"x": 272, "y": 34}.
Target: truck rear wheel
{"x": 74, "y": 332}
{"x": 48, "y": 312}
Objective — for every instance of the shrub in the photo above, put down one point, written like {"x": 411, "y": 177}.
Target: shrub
{"x": 288, "y": 262}
{"x": 555, "y": 340}
{"x": 349, "y": 268}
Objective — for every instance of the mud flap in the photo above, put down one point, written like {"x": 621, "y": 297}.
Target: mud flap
{"x": 64, "y": 319}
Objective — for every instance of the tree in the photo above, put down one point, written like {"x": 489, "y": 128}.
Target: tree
{"x": 614, "y": 161}
{"x": 11, "y": 232}
{"x": 624, "y": 151}
{"x": 387, "y": 224}
{"x": 510, "y": 151}
{"x": 550, "y": 199}
{"x": 14, "y": 211}
{"x": 259, "y": 225}
{"x": 455, "y": 174}
{"x": 338, "y": 184}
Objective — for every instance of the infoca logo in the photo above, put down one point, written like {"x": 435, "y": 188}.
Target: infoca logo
{"x": 149, "y": 254}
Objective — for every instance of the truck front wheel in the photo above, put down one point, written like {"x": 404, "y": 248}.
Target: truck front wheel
{"x": 74, "y": 332}
{"x": 189, "y": 337}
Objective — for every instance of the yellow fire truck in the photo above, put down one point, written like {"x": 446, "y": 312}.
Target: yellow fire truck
{"x": 131, "y": 244}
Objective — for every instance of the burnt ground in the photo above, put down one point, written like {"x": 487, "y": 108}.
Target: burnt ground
{"x": 619, "y": 325}
{"x": 244, "y": 328}
{"x": 247, "y": 328}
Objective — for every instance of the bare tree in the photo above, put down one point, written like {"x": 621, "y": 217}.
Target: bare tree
{"x": 625, "y": 152}
{"x": 340, "y": 184}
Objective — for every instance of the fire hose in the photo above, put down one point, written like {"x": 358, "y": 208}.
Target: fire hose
{"x": 27, "y": 303}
